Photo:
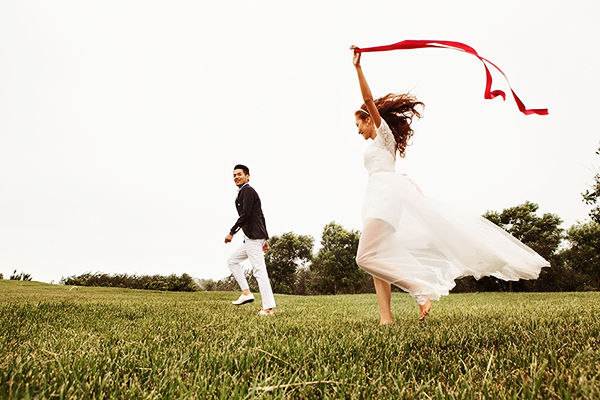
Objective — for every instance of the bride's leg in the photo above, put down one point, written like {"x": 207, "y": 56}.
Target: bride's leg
{"x": 373, "y": 233}
{"x": 384, "y": 295}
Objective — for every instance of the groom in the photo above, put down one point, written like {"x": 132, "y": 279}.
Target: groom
{"x": 252, "y": 222}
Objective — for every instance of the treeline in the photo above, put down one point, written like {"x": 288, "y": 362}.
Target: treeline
{"x": 294, "y": 268}
{"x": 174, "y": 283}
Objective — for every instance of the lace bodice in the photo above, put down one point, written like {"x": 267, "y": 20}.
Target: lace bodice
{"x": 381, "y": 154}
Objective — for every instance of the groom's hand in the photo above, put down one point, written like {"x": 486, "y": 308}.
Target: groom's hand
{"x": 228, "y": 238}
{"x": 265, "y": 247}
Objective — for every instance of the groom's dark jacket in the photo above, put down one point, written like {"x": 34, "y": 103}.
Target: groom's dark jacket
{"x": 251, "y": 219}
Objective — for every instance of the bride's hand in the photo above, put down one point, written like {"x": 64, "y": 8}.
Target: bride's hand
{"x": 356, "y": 57}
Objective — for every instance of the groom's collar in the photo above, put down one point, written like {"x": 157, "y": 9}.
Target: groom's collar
{"x": 243, "y": 186}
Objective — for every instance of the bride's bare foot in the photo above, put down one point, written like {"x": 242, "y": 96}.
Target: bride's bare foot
{"x": 424, "y": 309}
{"x": 386, "y": 322}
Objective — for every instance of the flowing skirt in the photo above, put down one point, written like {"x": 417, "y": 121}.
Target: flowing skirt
{"x": 421, "y": 246}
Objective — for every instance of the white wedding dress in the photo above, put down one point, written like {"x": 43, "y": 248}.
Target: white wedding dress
{"x": 414, "y": 243}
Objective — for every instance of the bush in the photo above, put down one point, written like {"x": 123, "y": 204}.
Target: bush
{"x": 20, "y": 277}
{"x": 173, "y": 283}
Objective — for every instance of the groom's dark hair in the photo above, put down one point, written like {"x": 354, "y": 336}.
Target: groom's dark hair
{"x": 243, "y": 168}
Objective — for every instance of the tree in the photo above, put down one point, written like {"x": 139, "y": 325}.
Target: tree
{"x": 206, "y": 284}
{"x": 286, "y": 254}
{"x": 20, "y": 277}
{"x": 591, "y": 197}
{"x": 542, "y": 234}
{"x": 335, "y": 263}
{"x": 229, "y": 284}
{"x": 306, "y": 281}
{"x": 583, "y": 253}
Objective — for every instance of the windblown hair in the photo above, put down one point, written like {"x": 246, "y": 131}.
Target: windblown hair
{"x": 398, "y": 111}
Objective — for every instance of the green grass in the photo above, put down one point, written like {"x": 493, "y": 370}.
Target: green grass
{"x": 119, "y": 343}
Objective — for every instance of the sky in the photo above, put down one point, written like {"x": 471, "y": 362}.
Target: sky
{"x": 121, "y": 121}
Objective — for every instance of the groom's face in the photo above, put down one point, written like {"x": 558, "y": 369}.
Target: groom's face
{"x": 239, "y": 177}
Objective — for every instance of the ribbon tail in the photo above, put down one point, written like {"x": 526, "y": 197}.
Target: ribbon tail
{"x": 538, "y": 111}
{"x": 520, "y": 105}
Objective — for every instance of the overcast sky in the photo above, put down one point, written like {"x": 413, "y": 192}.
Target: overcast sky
{"x": 121, "y": 121}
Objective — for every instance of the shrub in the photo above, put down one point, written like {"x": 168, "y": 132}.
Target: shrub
{"x": 20, "y": 277}
{"x": 173, "y": 283}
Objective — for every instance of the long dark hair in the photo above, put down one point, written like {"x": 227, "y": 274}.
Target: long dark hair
{"x": 398, "y": 111}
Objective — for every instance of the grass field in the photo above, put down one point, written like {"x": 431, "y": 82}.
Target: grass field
{"x": 119, "y": 343}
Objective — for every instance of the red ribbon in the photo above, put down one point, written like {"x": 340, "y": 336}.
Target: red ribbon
{"x": 489, "y": 94}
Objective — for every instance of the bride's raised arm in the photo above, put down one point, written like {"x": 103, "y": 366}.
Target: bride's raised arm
{"x": 365, "y": 90}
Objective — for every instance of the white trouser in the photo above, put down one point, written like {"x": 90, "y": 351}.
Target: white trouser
{"x": 252, "y": 249}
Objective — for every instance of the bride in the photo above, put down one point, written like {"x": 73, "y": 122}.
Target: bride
{"x": 407, "y": 239}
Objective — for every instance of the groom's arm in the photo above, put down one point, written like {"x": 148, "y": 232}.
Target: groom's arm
{"x": 247, "y": 198}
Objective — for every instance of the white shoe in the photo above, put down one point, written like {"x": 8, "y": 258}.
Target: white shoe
{"x": 243, "y": 299}
{"x": 264, "y": 313}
